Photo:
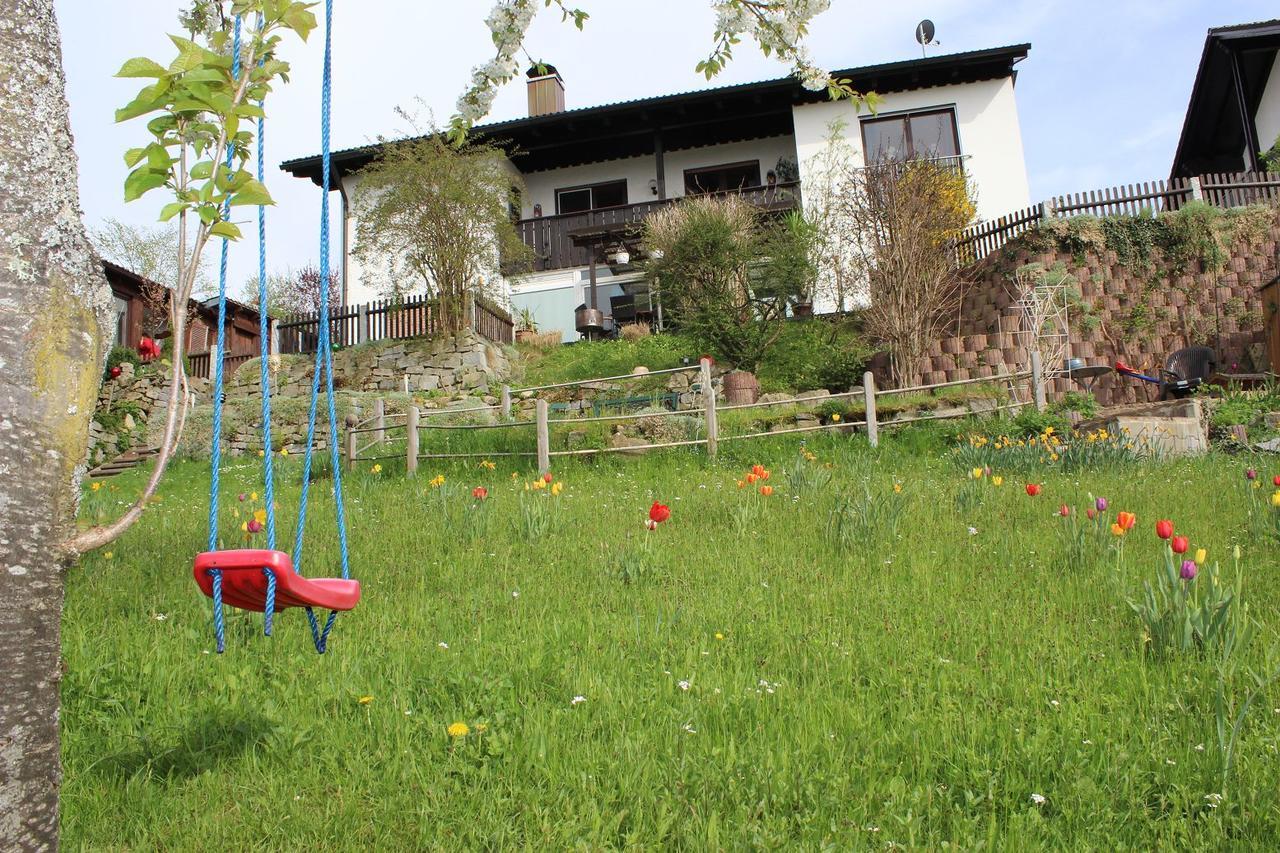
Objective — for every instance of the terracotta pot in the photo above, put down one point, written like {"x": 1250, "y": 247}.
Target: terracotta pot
{"x": 803, "y": 309}
{"x": 741, "y": 387}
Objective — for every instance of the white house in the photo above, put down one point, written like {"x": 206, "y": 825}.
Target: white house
{"x": 1233, "y": 116}
{"x": 590, "y": 175}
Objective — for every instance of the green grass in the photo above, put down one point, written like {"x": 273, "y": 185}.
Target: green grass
{"x": 917, "y": 688}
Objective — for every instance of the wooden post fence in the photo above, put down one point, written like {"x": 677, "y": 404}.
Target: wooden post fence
{"x": 351, "y": 441}
{"x": 709, "y": 396}
{"x": 544, "y": 437}
{"x": 379, "y": 421}
{"x": 411, "y": 440}
{"x": 1037, "y": 380}
{"x": 869, "y": 397}
{"x": 506, "y": 402}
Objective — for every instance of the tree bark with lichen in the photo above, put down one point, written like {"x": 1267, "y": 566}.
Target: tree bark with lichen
{"x": 55, "y": 310}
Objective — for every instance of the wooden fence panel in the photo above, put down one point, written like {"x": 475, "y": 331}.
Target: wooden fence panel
{"x": 1219, "y": 190}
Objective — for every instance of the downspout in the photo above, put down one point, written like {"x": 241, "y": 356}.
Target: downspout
{"x": 346, "y": 248}
{"x": 1246, "y": 120}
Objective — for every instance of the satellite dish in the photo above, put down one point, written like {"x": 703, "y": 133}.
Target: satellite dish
{"x": 925, "y": 32}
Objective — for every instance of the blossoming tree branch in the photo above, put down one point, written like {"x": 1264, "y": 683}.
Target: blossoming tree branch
{"x": 778, "y": 27}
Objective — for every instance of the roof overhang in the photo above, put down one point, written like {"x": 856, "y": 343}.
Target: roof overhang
{"x": 1216, "y": 132}
{"x": 689, "y": 119}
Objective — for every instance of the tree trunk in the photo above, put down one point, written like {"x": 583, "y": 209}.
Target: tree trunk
{"x": 55, "y": 310}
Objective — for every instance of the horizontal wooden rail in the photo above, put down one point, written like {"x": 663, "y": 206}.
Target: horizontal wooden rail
{"x": 604, "y": 379}
{"x": 588, "y": 451}
{"x": 793, "y": 430}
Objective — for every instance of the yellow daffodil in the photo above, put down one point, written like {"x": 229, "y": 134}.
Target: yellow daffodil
{"x": 244, "y": 527}
{"x": 260, "y": 516}
{"x": 253, "y": 496}
{"x": 437, "y": 481}
{"x": 836, "y": 417}
{"x": 459, "y": 729}
{"x": 1117, "y": 530}
{"x": 284, "y": 451}
{"x": 377, "y": 468}
{"x": 557, "y": 487}
{"x": 95, "y": 486}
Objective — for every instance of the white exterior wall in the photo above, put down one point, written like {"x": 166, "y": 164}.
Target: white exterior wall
{"x": 986, "y": 122}
{"x": 1267, "y": 119}
{"x": 540, "y": 187}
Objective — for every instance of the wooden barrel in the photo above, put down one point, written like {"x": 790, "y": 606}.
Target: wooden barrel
{"x": 740, "y": 387}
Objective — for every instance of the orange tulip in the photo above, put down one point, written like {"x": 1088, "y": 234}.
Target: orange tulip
{"x": 1126, "y": 520}
{"x": 766, "y": 490}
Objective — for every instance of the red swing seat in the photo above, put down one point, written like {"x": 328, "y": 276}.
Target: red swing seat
{"x": 244, "y": 585}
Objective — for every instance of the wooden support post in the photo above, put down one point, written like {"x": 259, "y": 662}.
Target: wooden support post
{"x": 379, "y": 421}
{"x": 362, "y": 323}
{"x": 351, "y": 442}
{"x": 1037, "y": 380}
{"x": 506, "y": 402}
{"x": 544, "y": 437}
{"x": 1197, "y": 191}
{"x": 406, "y": 383}
{"x": 411, "y": 440}
{"x": 709, "y": 396}
{"x": 869, "y": 400}
{"x": 275, "y": 337}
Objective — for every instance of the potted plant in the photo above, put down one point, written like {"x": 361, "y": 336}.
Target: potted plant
{"x": 526, "y": 325}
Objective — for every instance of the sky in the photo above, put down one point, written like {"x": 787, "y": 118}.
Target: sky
{"x": 1101, "y": 96}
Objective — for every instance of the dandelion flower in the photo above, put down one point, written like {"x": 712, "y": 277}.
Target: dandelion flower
{"x": 459, "y": 729}
{"x": 284, "y": 451}
{"x": 108, "y": 555}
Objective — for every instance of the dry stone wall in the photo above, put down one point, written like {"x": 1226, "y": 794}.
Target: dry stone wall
{"x": 130, "y": 410}
{"x": 1221, "y": 309}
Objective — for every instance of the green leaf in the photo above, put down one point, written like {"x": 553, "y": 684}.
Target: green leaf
{"x": 158, "y": 158}
{"x": 140, "y": 66}
{"x": 171, "y": 210}
{"x": 134, "y": 156}
{"x": 142, "y": 180}
{"x": 252, "y": 192}
{"x": 228, "y": 230}
{"x": 202, "y": 170}
{"x": 298, "y": 18}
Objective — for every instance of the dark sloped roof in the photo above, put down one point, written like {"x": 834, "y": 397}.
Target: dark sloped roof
{"x": 1215, "y": 132}
{"x": 725, "y": 113}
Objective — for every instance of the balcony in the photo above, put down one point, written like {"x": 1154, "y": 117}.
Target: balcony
{"x": 566, "y": 240}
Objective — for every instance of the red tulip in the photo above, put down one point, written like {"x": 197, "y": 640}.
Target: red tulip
{"x": 546, "y": 478}
{"x": 659, "y": 513}
{"x": 1091, "y": 513}
{"x": 254, "y": 526}
{"x": 1064, "y": 510}
{"x": 1164, "y": 528}
{"x": 479, "y": 493}
{"x": 1033, "y": 489}
{"x": 1180, "y": 545}
{"x": 1276, "y": 480}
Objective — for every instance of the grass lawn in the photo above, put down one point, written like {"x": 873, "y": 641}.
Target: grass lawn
{"x": 748, "y": 678}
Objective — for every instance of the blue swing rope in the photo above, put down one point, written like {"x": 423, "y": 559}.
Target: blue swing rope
{"x": 324, "y": 357}
{"x": 219, "y": 627}
{"x": 264, "y": 350}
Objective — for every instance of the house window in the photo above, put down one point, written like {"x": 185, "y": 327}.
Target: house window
{"x": 122, "y": 321}
{"x": 911, "y": 136}
{"x": 593, "y": 197}
{"x": 716, "y": 179}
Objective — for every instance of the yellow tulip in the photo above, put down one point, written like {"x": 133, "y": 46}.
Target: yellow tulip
{"x": 1201, "y": 554}
{"x": 997, "y": 481}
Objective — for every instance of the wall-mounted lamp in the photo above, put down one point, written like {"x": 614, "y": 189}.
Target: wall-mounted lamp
{"x": 653, "y": 185}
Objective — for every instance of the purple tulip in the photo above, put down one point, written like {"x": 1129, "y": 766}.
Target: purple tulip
{"x": 1251, "y": 474}
{"x": 242, "y": 497}
{"x": 1189, "y": 570}
{"x": 1100, "y": 504}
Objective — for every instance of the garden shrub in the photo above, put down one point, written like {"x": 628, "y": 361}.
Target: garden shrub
{"x": 119, "y": 356}
{"x": 815, "y": 354}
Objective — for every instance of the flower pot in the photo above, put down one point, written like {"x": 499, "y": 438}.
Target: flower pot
{"x": 740, "y": 387}
{"x": 803, "y": 309}
{"x": 523, "y": 335}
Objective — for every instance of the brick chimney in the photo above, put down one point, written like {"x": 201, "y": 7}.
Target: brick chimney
{"x": 546, "y": 90}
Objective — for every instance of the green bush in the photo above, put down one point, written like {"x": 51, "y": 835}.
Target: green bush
{"x": 1030, "y": 423}
{"x": 592, "y": 359}
{"x": 119, "y": 356}
{"x": 814, "y": 354}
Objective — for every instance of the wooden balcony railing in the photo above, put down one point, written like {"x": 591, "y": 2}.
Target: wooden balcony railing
{"x": 550, "y": 237}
